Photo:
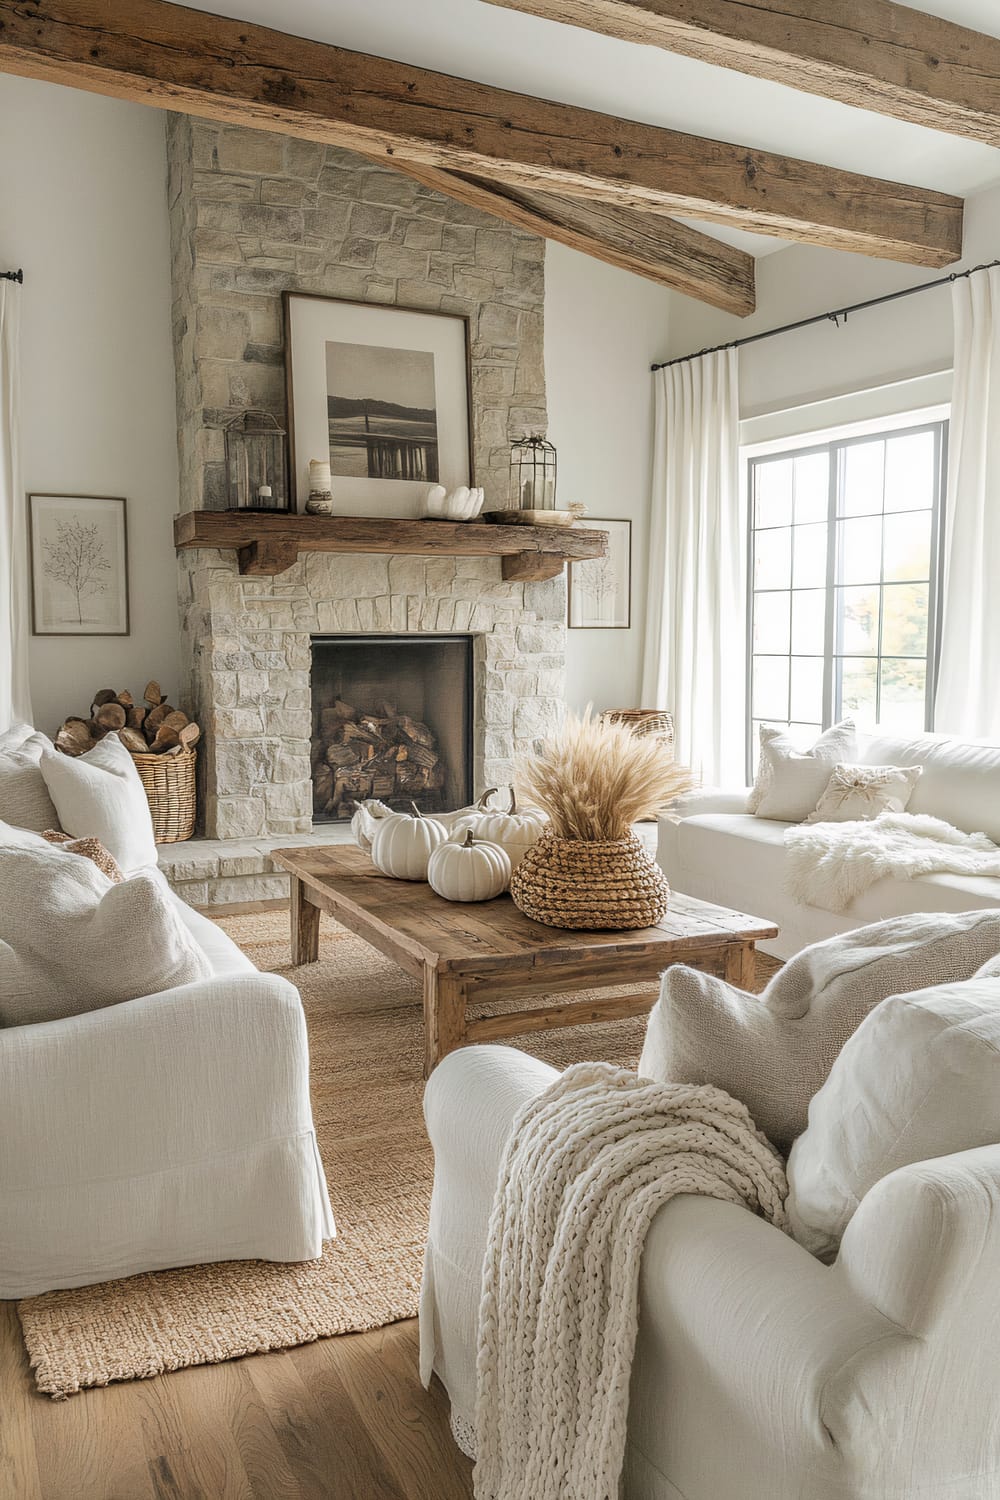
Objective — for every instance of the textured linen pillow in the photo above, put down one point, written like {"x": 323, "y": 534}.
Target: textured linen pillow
{"x": 791, "y": 781}
{"x": 919, "y": 1078}
{"x": 71, "y": 941}
{"x": 862, "y": 792}
{"x": 24, "y": 797}
{"x": 774, "y": 1051}
{"x": 100, "y": 795}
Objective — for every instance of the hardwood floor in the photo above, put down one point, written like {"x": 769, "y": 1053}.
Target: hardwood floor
{"x": 340, "y": 1419}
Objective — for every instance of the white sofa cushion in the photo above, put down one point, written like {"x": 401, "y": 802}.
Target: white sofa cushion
{"x": 100, "y": 795}
{"x": 920, "y": 1078}
{"x": 774, "y": 1051}
{"x": 960, "y": 781}
{"x": 790, "y": 781}
{"x": 71, "y": 941}
{"x": 862, "y": 792}
{"x": 24, "y": 797}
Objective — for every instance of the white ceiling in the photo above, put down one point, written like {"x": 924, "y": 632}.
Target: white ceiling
{"x": 476, "y": 40}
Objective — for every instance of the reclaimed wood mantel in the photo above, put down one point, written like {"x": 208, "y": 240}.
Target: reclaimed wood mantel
{"x": 269, "y": 544}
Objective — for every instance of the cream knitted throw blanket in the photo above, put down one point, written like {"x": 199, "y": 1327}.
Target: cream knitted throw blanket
{"x": 588, "y": 1164}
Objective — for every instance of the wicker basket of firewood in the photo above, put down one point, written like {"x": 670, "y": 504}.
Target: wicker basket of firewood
{"x": 161, "y": 740}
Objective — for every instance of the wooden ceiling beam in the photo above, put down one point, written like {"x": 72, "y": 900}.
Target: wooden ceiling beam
{"x": 168, "y": 55}
{"x": 651, "y": 245}
{"x": 872, "y": 54}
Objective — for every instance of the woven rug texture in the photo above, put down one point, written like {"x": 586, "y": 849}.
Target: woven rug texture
{"x": 366, "y": 1049}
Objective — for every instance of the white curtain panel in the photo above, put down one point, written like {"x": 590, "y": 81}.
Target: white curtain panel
{"x": 695, "y": 647}
{"x": 968, "y": 692}
{"x": 15, "y": 703}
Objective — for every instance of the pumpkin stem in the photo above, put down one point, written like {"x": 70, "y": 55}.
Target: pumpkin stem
{"x": 513, "y": 801}
{"x": 469, "y": 840}
{"x": 483, "y": 802}
{"x": 416, "y": 810}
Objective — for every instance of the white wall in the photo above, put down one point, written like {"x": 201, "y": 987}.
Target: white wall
{"x": 603, "y": 328}
{"x": 83, "y": 210}
{"x": 894, "y": 342}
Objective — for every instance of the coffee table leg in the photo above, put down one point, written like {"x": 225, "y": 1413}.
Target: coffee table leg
{"x": 305, "y": 925}
{"x": 741, "y": 965}
{"x": 444, "y": 1017}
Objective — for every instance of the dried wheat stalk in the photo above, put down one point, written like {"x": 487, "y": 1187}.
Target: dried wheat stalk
{"x": 595, "y": 778}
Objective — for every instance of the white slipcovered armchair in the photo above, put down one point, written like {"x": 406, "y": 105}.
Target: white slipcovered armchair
{"x": 170, "y": 1130}
{"x": 760, "y": 1373}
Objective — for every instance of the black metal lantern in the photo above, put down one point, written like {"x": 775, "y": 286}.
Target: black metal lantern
{"x": 256, "y": 463}
{"x": 532, "y": 474}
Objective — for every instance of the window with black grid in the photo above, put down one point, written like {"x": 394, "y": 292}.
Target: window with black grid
{"x": 844, "y": 582}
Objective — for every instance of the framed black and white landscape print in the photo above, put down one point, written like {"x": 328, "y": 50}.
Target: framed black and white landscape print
{"x": 79, "y": 564}
{"x": 382, "y": 395}
{"x": 600, "y": 588}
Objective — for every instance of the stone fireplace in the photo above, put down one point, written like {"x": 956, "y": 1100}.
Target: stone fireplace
{"x": 253, "y": 215}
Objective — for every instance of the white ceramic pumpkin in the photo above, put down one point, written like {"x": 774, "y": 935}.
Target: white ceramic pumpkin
{"x": 404, "y": 843}
{"x": 470, "y": 871}
{"x": 365, "y": 821}
{"x": 449, "y": 819}
{"x": 513, "y": 830}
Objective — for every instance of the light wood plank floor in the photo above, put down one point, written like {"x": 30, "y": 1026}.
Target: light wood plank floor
{"x": 340, "y": 1419}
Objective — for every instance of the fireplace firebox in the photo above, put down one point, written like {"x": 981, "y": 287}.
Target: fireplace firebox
{"x": 392, "y": 719}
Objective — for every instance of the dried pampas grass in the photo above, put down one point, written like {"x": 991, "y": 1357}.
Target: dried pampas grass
{"x": 596, "y": 778}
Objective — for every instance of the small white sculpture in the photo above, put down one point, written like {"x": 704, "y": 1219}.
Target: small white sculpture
{"x": 463, "y": 504}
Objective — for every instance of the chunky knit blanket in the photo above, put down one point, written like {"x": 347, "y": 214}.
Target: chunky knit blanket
{"x": 588, "y": 1164}
{"x": 829, "y": 864}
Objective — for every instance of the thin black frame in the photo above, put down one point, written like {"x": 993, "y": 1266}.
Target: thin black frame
{"x": 121, "y": 500}
{"x": 835, "y": 449}
{"x": 286, "y": 333}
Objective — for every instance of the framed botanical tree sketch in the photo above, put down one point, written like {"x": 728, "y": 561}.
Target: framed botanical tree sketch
{"x": 600, "y": 588}
{"x": 79, "y": 564}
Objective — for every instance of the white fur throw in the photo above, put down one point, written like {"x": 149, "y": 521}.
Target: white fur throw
{"x": 588, "y": 1164}
{"x": 829, "y": 864}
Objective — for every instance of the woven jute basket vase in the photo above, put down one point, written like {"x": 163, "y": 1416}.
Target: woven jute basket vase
{"x": 576, "y": 883}
{"x": 169, "y": 781}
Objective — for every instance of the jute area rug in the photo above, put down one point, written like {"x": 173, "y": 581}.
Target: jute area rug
{"x": 366, "y": 1053}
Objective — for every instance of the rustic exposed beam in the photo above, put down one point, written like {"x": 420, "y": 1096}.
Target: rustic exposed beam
{"x": 159, "y": 53}
{"x": 873, "y": 54}
{"x": 651, "y": 245}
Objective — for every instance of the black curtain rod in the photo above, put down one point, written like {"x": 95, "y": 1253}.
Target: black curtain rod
{"x": 17, "y": 275}
{"x": 828, "y": 317}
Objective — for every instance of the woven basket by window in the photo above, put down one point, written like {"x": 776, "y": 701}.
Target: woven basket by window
{"x": 170, "y": 789}
{"x": 642, "y": 721}
{"x": 591, "y": 885}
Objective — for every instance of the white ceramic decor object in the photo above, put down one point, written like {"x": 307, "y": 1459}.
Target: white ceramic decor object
{"x": 471, "y": 871}
{"x": 462, "y": 504}
{"x": 365, "y": 821}
{"x": 403, "y": 844}
{"x": 515, "y": 831}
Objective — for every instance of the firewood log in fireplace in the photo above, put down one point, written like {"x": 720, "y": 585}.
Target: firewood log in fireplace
{"x": 373, "y": 752}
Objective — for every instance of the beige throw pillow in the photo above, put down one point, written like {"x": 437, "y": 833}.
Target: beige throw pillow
{"x": 100, "y": 795}
{"x": 774, "y": 1051}
{"x": 790, "y": 781}
{"x": 24, "y": 797}
{"x": 71, "y": 941}
{"x": 860, "y": 793}
{"x": 919, "y": 1078}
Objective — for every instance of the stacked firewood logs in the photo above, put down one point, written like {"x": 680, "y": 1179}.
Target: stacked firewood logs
{"x": 384, "y": 754}
{"x": 151, "y": 727}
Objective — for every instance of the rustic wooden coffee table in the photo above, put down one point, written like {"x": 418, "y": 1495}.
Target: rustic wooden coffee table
{"x": 489, "y": 950}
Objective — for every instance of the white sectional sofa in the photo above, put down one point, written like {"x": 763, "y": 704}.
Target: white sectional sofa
{"x": 711, "y": 847}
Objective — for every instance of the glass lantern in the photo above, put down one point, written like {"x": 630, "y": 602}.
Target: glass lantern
{"x": 532, "y": 474}
{"x": 256, "y": 469}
